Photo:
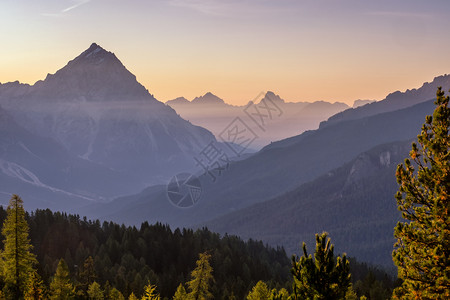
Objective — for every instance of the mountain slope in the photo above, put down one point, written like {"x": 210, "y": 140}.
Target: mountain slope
{"x": 95, "y": 109}
{"x": 45, "y": 173}
{"x": 354, "y": 203}
{"x": 394, "y": 101}
{"x": 278, "y": 168}
{"x": 281, "y": 119}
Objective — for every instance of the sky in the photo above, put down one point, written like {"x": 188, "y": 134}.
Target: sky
{"x": 334, "y": 50}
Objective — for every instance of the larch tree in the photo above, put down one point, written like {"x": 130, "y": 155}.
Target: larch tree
{"x": 95, "y": 291}
{"x": 61, "y": 286}
{"x": 132, "y": 297}
{"x": 87, "y": 275}
{"x": 35, "y": 288}
{"x": 282, "y": 294}
{"x": 259, "y": 292}
{"x": 180, "y": 293}
{"x": 150, "y": 292}
{"x": 115, "y": 294}
{"x": 17, "y": 260}
{"x": 422, "y": 249}
{"x": 201, "y": 277}
{"x": 321, "y": 277}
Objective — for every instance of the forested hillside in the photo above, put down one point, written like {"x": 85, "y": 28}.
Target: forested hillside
{"x": 128, "y": 258}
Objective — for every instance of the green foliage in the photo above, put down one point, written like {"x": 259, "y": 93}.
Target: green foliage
{"x": 351, "y": 294}
{"x": 150, "y": 293}
{"x": 123, "y": 259}
{"x": 87, "y": 275}
{"x": 127, "y": 257}
{"x": 132, "y": 297}
{"x": 115, "y": 294}
{"x": 422, "y": 250}
{"x": 321, "y": 277}
{"x": 180, "y": 293}
{"x": 61, "y": 288}
{"x": 201, "y": 277}
{"x": 282, "y": 294}
{"x": 35, "y": 288}
{"x": 259, "y": 292}
{"x": 16, "y": 260}
{"x": 95, "y": 291}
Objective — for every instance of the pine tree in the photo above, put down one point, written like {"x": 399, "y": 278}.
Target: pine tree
{"x": 282, "y": 294}
{"x": 115, "y": 294}
{"x": 201, "y": 278}
{"x": 150, "y": 293}
{"x": 180, "y": 293}
{"x": 87, "y": 275}
{"x": 259, "y": 292}
{"x": 132, "y": 297}
{"x": 61, "y": 287}
{"x": 17, "y": 261}
{"x": 422, "y": 249}
{"x": 321, "y": 277}
{"x": 95, "y": 291}
{"x": 35, "y": 288}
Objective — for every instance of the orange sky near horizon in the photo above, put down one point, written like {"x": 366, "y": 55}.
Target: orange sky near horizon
{"x": 301, "y": 50}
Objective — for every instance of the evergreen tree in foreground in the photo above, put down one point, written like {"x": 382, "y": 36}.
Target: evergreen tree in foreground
{"x": 95, "y": 291}
{"x": 115, "y": 294}
{"x": 132, "y": 297}
{"x": 422, "y": 249}
{"x": 259, "y": 292}
{"x": 61, "y": 287}
{"x": 35, "y": 289}
{"x": 17, "y": 261}
{"x": 180, "y": 293}
{"x": 201, "y": 277}
{"x": 150, "y": 293}
{"x": 321, "y": 277}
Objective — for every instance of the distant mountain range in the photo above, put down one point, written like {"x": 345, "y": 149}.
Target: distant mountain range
{"x": 242, "y": 199}
{"x": 280, "y": 167}
{"x": 393, "y": 101}
{"x": 95, "y": 112}
{"x": 359, "y": 102}
{"x": 281, "y": 119}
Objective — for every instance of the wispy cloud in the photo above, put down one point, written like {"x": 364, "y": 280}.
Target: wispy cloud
{"x": 399, "y": 14}
{"x": 230, "y": 7}
{"x": 76, "y": 4}
{"x": 213, "y": 7}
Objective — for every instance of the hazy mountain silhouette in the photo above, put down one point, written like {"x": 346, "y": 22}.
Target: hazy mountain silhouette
{"x": 276, "y": 169}
{"x": 393, "y": 101}
{"x": 282, "y": 119}
{"x": 45, "y": 173}
{"x": 96, "y": 110}
{"x": 359, "y": 102}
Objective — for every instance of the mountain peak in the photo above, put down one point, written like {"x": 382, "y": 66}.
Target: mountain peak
{"x": 94, "y": 74}
{"x": 95, "y": 54}
{"x": 94, "y": 49}
{"x": 273, "y": 97}
{"x": 208, "y": 98}
{"x": 179, "y": 100}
